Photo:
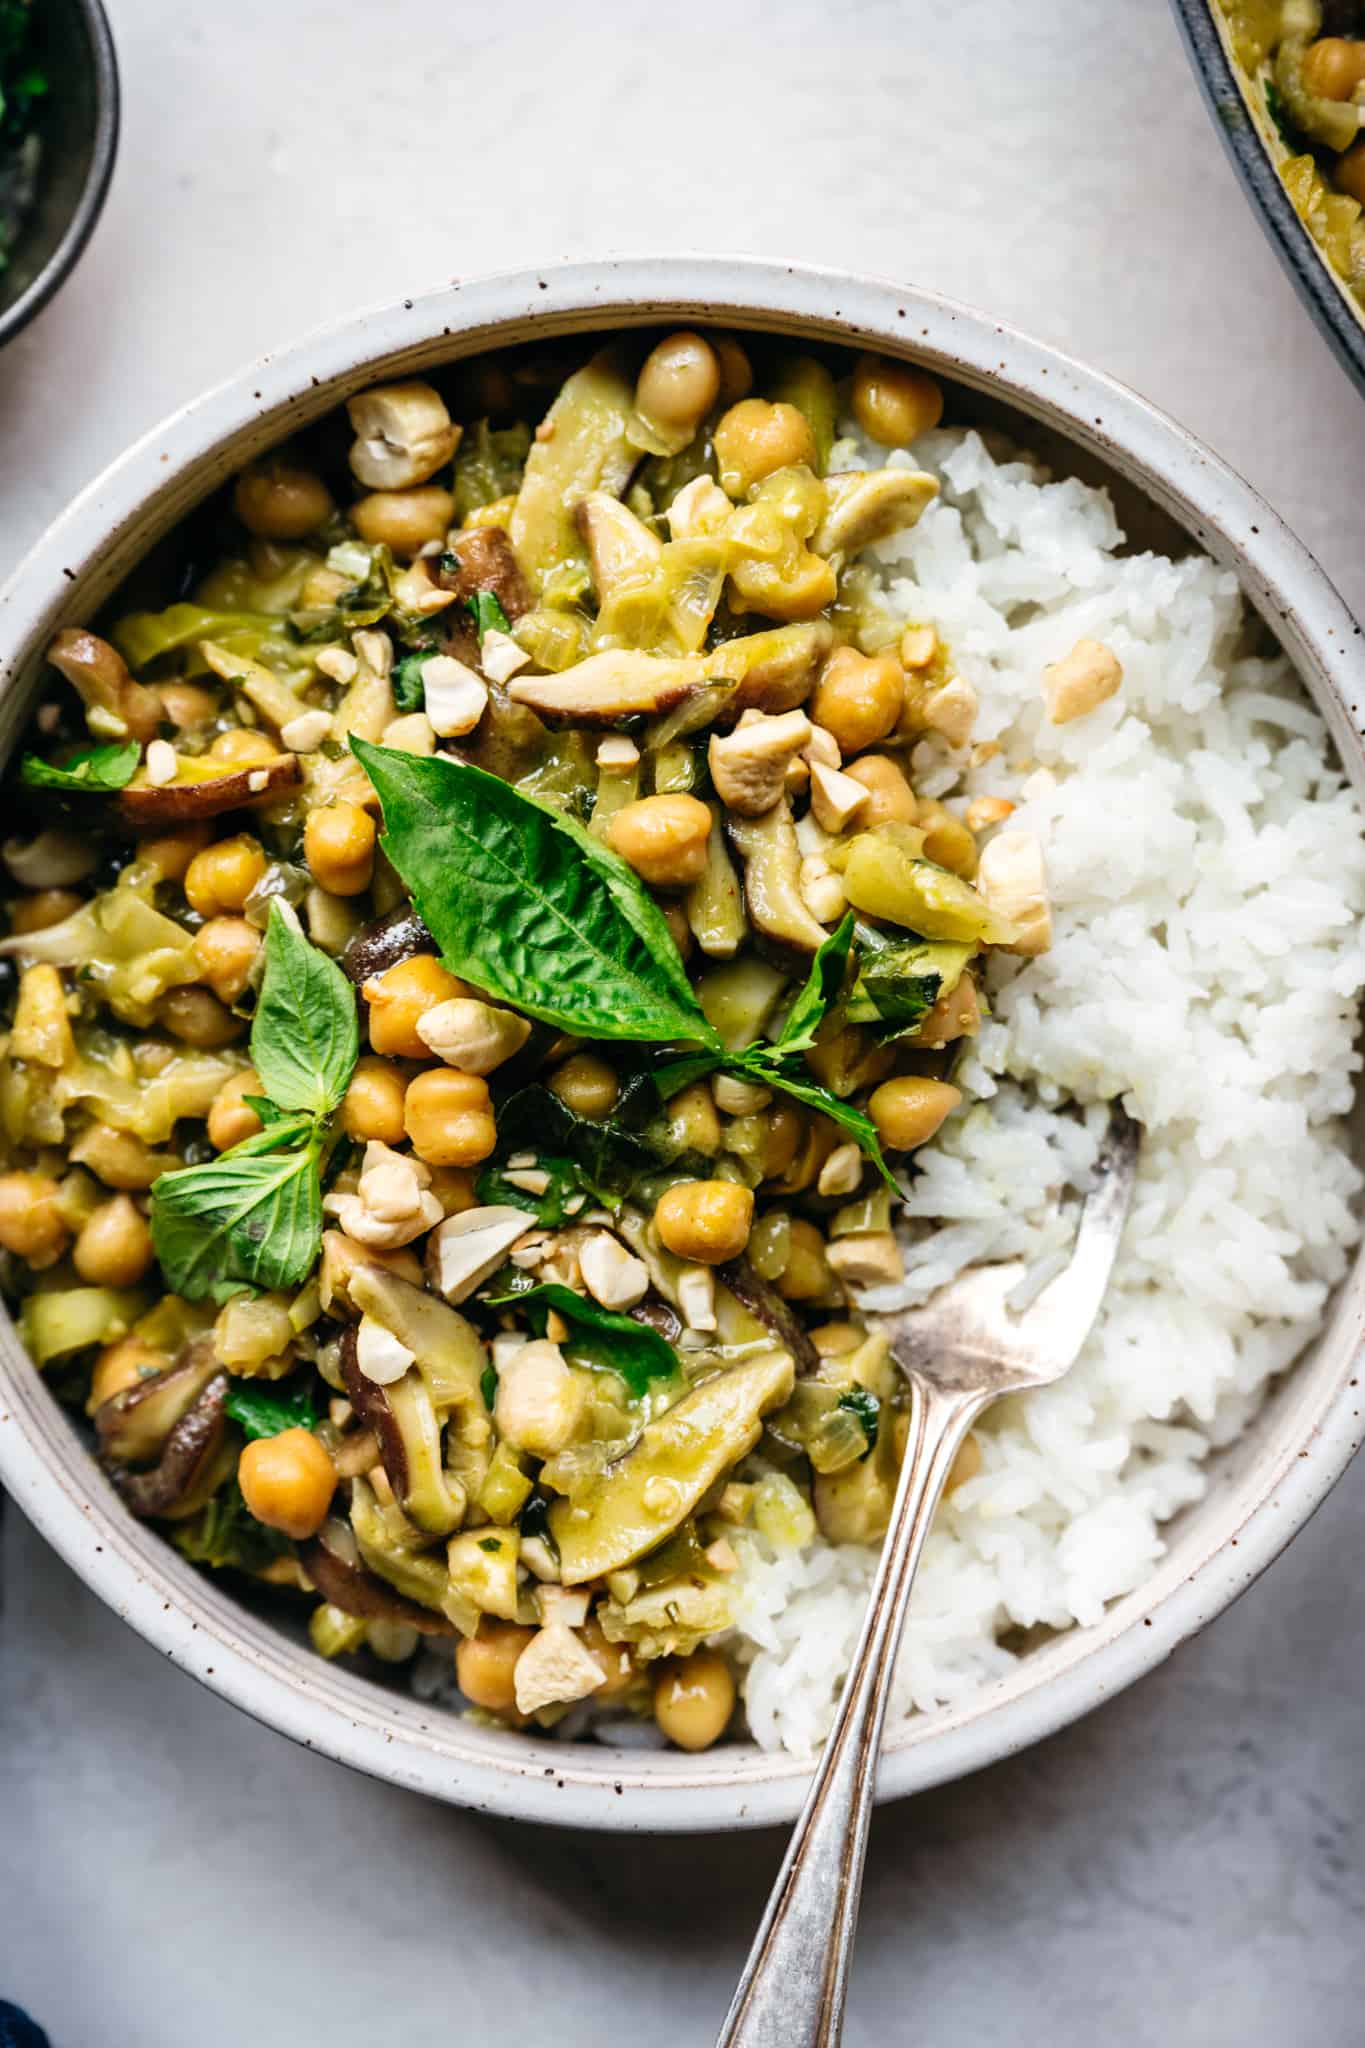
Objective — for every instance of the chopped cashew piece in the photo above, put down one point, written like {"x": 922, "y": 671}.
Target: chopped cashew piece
{"x": 392, "y": 1203}
{"x": 469, "y": 1246}
{"x": 540, "y": 1399}
{"x": 697, "y": 1297}
{"x": 306, "y": 733}
{"x": 474, "y": 1036}
{"x": 984, "y": 811}
{"x": 700, "y": 507}
{"x": 841, "y": 1172}
{"x": 566, "y": 1604}
{"x": 835, "y": 798}
{"x": 951, "y": 709}
{"x": 456, "y": 698}
{"x": 619, "y": 683}
{"x": 612, "y": 1275}
{"x": 824, "y": 748}
{"x": 1083, "y": 679}
{"x": 403, "y": 435}
{"x": 379, "y": 1354}
{"x": 162, "y": 763}
{"x": 555, "y": 1669}
{"x": 500, "y": 656}
{"x": 617, "y": 755}
{"x": 870, "y": 504}
{"x": 621, "y": 548}
{"x": 918, "y": 645}
{"x": 1013, "y": 881}
{"x": 749, "y": 765}
{"x": 867, "y": 1258}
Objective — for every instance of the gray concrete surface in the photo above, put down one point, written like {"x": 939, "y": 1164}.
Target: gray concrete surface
{"x": 1183, "y": 1870}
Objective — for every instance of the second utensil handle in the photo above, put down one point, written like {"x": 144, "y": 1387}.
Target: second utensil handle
{"x": 794, "y": 1984}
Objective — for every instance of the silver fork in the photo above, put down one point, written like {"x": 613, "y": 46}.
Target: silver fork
{"x": 962, "y": 1350}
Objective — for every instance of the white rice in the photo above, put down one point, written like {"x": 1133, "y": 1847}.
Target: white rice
{"x": 1207, "y": 868}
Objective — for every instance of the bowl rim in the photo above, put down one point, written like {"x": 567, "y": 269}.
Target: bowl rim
{"x": 254, "y": 1665}
{"x": 1323, "y": 294}
{"x": 90, "y": 204}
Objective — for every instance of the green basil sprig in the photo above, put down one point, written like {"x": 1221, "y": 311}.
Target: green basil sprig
{"x": 253, "y": 1216}
{"x": 94, "y": 768}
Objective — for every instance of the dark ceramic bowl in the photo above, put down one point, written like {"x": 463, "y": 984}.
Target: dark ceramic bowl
{"x": 78, "y": 123}
{"x": 1338, "y": 317}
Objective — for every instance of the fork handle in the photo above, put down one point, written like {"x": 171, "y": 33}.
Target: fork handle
{"x": 792, "y": 1992}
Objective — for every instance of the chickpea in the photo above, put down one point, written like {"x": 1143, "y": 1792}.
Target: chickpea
{"x": 786, "y": 1129}
{"x": 892, "y": 801}
{"x": 692, "y": 1119}
{"x": 188, "y": 704}
{"x": 946, "y": 839}
{"x": 908, "y": 1111}
{"x": 892, "y": 403}
{"x": 736, "y": 373}
{"x": 43, "y": 908}
{"x": 694, "y": 1698}
{"x": 755, "y": 438}
{"x": 705, "y": 1220}
{"x": 1333, "y": 67}
{"x": 586, "y": 1085}
{"x": 223, "y": 876}
{"x": 197, "y": 1018}
{"x": 1349, "y": 171}
{"x": 485, "y": 1663}
{"x": 404, "y": 520}
{"x": 858, "y": 697}
{"x": 806, "y": 1275}
{"x": 373, "y": 1105}
{"x": 30, "y": 1223}
{"x": 338, "y": 845}
{"x": 287, "y": 1482}
{"x": 402, "y": 994}
{"x": 664, "y": 839}
{"x": 679, "y": 383}
{"x": 242, "y": 747}
{"x": 614, "y": 1658}
{"x": 171, "y": 854}
{"x": 278, "y": 501}
{"x": 120, "y": 1366}
{"x": 226, "y": 949}
{"x": 230, "y": 1118}
{"x": 449, "y": 1117}
{"x": 114, "y": 1248}
{"x": 956, "y": 1015}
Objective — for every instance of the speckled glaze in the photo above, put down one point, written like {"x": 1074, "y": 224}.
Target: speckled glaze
{"x": 1262, "y": 1489}
{"x": 1336, "y": 314}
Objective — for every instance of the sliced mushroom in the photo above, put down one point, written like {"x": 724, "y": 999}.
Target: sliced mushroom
{"x": 449, "y": 1351}
{"x": 773, "y": 671}
{"x": 114, "y": 703}
{"x": 396, "y": 1550}
{"x": 772, "y": 880}
{"x": 332, "y": 1562}
{"x": 401, "y": 935}
{"x": 865, "y": 505}
{"x": 620, "y": 547}
{"x": 581, "y": 446}
{"x": 199, "y": 793}
{"x": 777, "y": 1316}
{"x": 173, "y": 1483}
{"x": 259, "y": 684}
{"x": 749, "y": 765}
{"x": 403, "y": 1417}
{"x": 53, "y": 860}
{"x": 484, "y": 560}
{"x": 133, "y": 1426}
{"x": 616, "y": 684}
{"x": 403, "y": 435}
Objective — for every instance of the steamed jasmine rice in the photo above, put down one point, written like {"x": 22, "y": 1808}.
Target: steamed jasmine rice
{"x": 1207, "y": 866}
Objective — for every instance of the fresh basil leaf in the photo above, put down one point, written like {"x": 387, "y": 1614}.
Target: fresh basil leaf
{"x": 488, "y": 613}
{"x": 265, "y": 1410}
{"x": 488, "y": 1386}
{"x": 305, "y": 1035}
{"x": 824, "y": 985}
{"x": 530, "y": 907}
{"x": 95, "y": 768}
{"x": 760, "y": 1064}
{"x": 675, "y": 1075}
{"x": 268, "y": 1111}
{"x": 599, "y": 1337}
{"x": 253, "y": 1214}
{"x": 552, "y": 1208}
{"x": 409, "y": 690}
{"x": 900, "y": 981}
{"x": 868, "y": 1409}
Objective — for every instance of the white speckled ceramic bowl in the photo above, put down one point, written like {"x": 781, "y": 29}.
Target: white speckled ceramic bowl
{"x": 1262, "y": 1490}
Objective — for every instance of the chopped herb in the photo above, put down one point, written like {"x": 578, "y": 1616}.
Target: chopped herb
{"x": 264, "y": 1410}
{"x": 487, "y": 612}
{"x": 94, "y": 768}
{"x": 409, "y": 691}
{"x": 488, "y": 1386}
{"x": 492, "y": 1544}
{"x": 868, "y": 1409}
{"x": 226, "y": 1535}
